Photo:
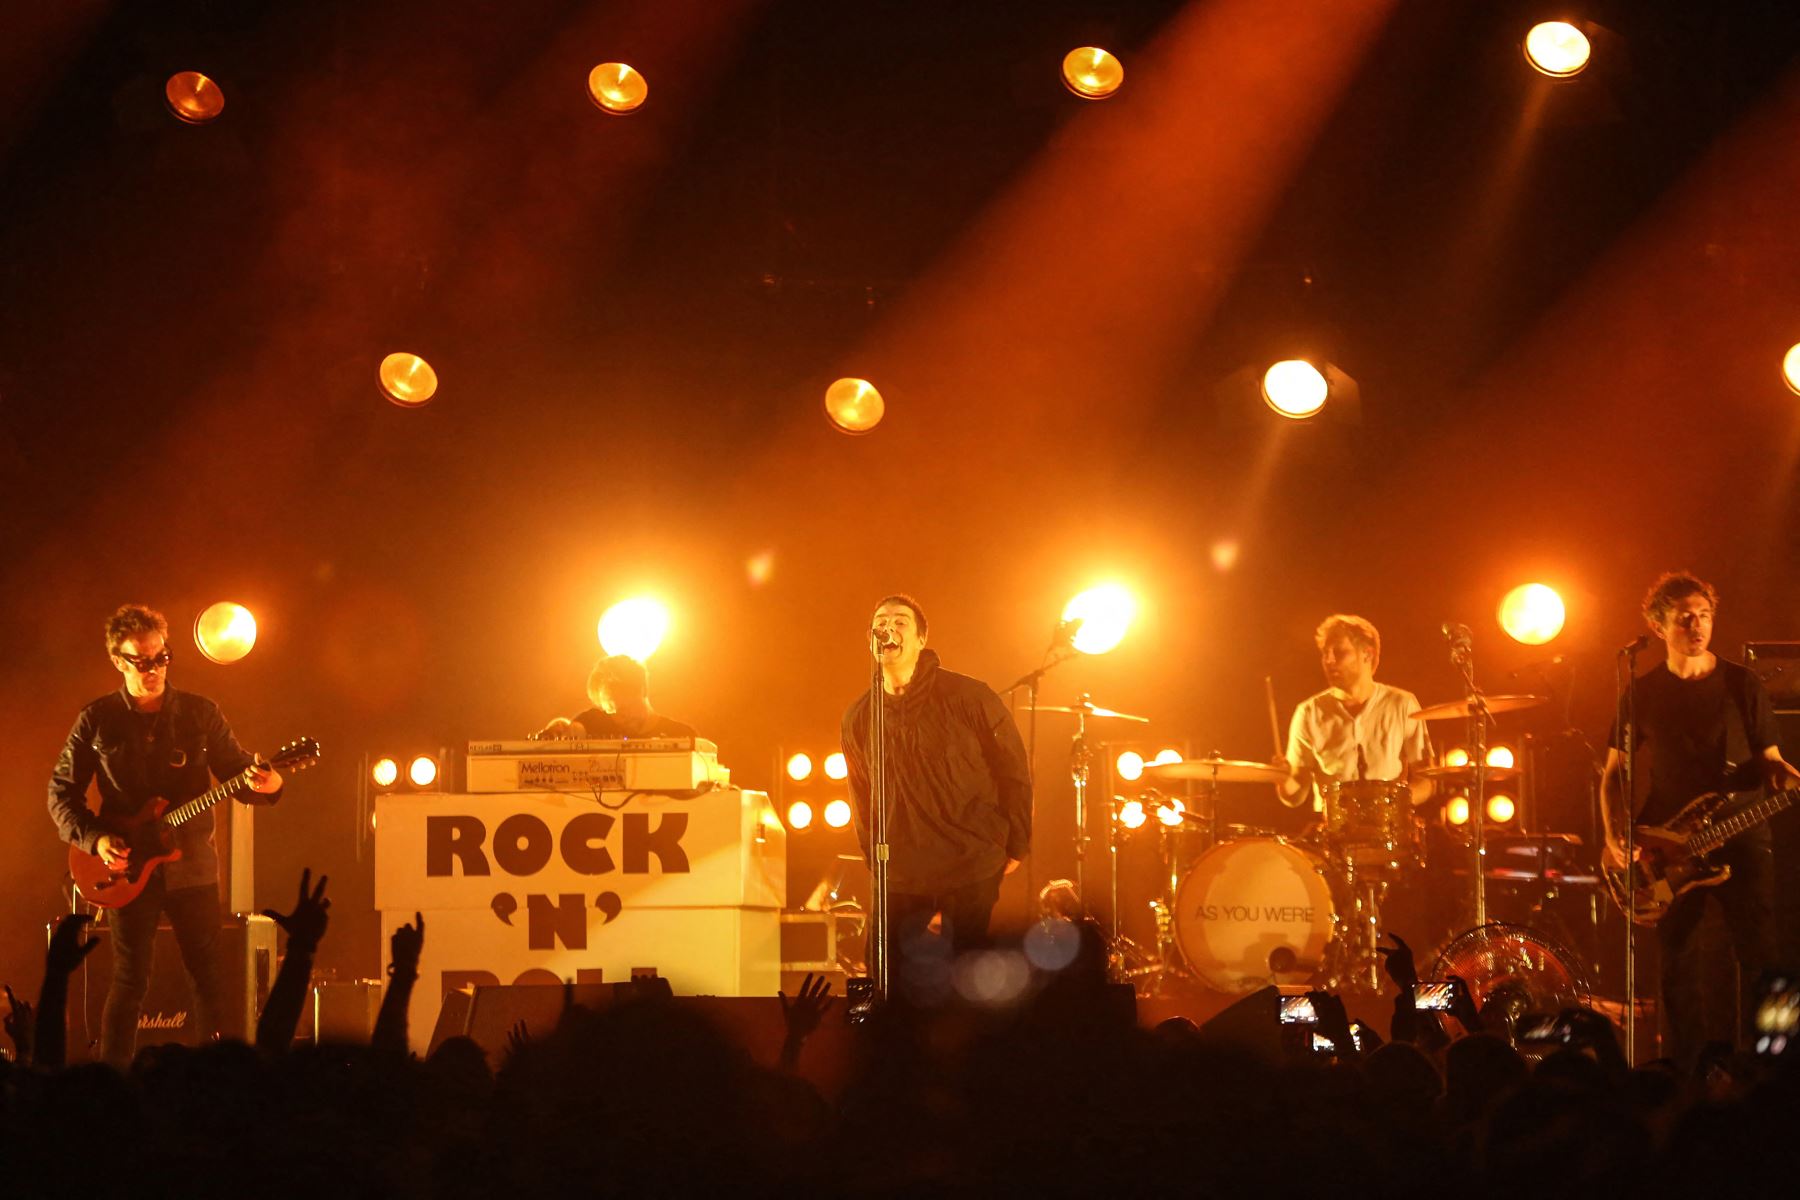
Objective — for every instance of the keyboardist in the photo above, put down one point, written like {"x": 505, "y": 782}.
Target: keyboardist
{"x": 619, "y": 686}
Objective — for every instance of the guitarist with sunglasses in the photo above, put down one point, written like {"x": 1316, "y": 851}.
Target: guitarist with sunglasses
{"x": 1708, "y": 727}
{"x": 149, "y": 740}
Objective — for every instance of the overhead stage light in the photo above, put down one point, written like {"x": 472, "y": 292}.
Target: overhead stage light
{"x": 1100, "y": 617}
{"x": 1166, "y": 756}
{"x": 1169, "y": 812}
{"x": 1501, "y": 809}
{"x": 1456, "y": 757}
{"x": 1532, "y": 613}
{"x": 407, "y": 379}
{"x": 1295, "y": 388}
{"x": 799, "y": 767}
{"x": 1092, "y": 73}
{"x": 837, "y": 814}
{"x": 1132, "y": 814}
{"x": 1790, "y": 369}
{"x": 1501, "y": 756}
{"x": 423, "y": 771}
{"x": 1557, "y": 49}
{"x": 634, "y": 628}
{"x": 1456, "y": 810}
{"x": 225, "y": 632}
{"x": 385, "y": 773}
{"x": 854, "y": 406}
{"x": 835, "y": 766}
{"x": 1130, "y": 766}
{"x": 799, "y": 815}
{"x": 193, "y": 97}
{"x": 617, "y": 88}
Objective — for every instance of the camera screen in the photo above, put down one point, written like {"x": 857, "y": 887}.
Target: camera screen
{"x": 1297, "y": 1010}
{"x": 1432, "y": 997}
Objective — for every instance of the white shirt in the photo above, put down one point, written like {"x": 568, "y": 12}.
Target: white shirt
{"x": 1378, "y": 742}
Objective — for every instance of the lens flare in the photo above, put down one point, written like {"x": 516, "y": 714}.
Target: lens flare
{"x": 854, "y": 406}
{"x": 1532, "y": 613}
{"x": 1104, "y": 614}
{"x": 634, "y": 627}
{"x": 837, "y": 814}
{"x": 1130, "y": 766}
{"x": 385, "y": 773}
{"x": 407, "y": 379}
{"x": 617, "y": 88}
{"x": 835, "y": 766}
{"x": 1456, "y": 810}
{"x": 1557, "y": 49}
{"x": 1132, "y": 814}
{"x": 193, "y": 97}
{"x": 1092, "y": 73}
{"x": 1501, "y": 809}
{"x": 1501, "y": 756}
{"x": 1295, "y": 388}
{"x": 800, "y": 815}
{"x": 225, "y": 632}
{"x": 423, "y": 771}
{"x": 799, "y": 767}
{"x": 1052, "y": 943}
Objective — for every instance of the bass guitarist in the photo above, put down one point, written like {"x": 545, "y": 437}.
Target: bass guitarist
{"x": 143, "y": 741}
{"x": 1709, "y": 727}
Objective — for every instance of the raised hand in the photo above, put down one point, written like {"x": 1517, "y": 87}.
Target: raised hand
{"x": 808, "y": 1007}
{"x": 18, "y": 1026}
{"x": 1462, "y": 1003}
{"x": 306, "y": 924}
{"x": 404, "y": 947}
{"x": 517, "y": 1038}
{"x": 66, "y": 947}
{"x": 1397, "y": 961}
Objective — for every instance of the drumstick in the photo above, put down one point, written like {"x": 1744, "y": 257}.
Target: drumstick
{"x": 1274, "y": 721}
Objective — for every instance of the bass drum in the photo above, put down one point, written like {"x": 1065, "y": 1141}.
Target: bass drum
{"x": 1254, "y": 912}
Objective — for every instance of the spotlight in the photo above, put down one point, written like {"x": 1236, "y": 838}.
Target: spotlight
{"x": 854, "y": 406}
{"x": 1295, "y": 388}
{"x": 634, "y": 628}
{"x": 835, "y": 766}
{"x": 193, "y": 97}
{"x": 1531, "y": 613}
{"x": 837, "y": 814}
{"x": 1501, "y": 809}
{"x": 799, "y": 767}
{"x": 1501, "y": 756}
{"x": 423, "y": 771}
{"x": 1130, "y": 766}
{"x": 1557, "y": 49}
{"x": 1132, "y": 814}
{"x": 1100, "y": 616}
{"x": 407, "y": 379}
{"x": 1456, "y": 810}
{"x": 1092, "y": 73}
{"x": 617, "y": 88}
{"x": 1169, "y": 812}
{"x": 1790, "y": 369}
{"x": 1456, "y": 757}
{"x": 225, "y": 632}
{"x": 1165, "y": 756}
{"x": 800, "y": 815}
{"x": 385, "y": 773}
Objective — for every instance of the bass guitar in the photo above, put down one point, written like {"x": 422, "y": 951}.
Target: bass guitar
{"x": 151, "y": 833}
{"x": 1671, "y": 858}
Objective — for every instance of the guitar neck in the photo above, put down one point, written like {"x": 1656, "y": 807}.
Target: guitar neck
{"x": 1717, "y": 833}
{"x": 205, "y": 800}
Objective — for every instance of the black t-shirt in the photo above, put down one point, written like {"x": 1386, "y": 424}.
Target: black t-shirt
{"x": 1704, "y": 735}
{"x": 601, "y": 724}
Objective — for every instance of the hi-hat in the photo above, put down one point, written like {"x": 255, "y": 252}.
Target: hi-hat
{"x": 1463, "y": 708}
{"x": 1216, "y": 770}
{"x": 1462, "y": 774}
{"x": 1087, "y": 710}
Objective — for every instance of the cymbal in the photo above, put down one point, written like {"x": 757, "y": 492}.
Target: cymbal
{"x": 1216, "y": 770}
{"x": 1090, "y": 710}
{"x": 1461, "y": 708}
{"x": 1462, "y": 774}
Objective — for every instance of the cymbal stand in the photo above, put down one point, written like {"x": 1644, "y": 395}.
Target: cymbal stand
{"x": 1081, "y": 761}
{"x": 1462, "y": 656}
{"x": 1626, "y": 668}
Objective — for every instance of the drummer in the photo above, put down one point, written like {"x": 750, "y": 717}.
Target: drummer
{"x": 1356, "y": 728}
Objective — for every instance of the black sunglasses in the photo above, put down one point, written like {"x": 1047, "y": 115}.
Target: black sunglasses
{"x": 146, "y": 664}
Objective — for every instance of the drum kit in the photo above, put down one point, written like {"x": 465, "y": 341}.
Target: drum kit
{"x": 1239, "y": 907}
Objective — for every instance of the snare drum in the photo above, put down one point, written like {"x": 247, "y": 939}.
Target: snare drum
{"x": 1371, "y": 822}
{"x": 1252, "y": 912}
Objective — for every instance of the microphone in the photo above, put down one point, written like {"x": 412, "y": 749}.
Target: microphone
{"x": 1459, "y": 636}
{"x": 883, "y": 638}
{"x": 1635, "y": 644}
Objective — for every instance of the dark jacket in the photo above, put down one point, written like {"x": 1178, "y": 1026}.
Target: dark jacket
{"x": 959, "y": 787}
{"x": 174, "y": 753}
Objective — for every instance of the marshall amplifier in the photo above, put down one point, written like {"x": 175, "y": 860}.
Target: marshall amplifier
{"x": 246, "y": 950}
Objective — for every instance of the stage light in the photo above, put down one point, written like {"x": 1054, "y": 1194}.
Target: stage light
{"x": 617, "y": 88}
{"x": 800, "y": 815}
{"x": 1169, "y": 812}
{"x": 1456, "y": 757}
{"x": 1166, "y": 756}
{"x": 1557, "y": 49}
{"x": 1224, "y": 555}
{"x": 423, "y": 771}
{"x": 225, "y": 632}
{"x": 835, "y": 766}
{"x": 385, "y": 773}
{"x": 854, "y": 406}
{"x": 1092, "y": 73}
{"x": 837, "y": 814}
{"x": 1790, "y": 369}
{"x": 1531, "y": 613}
{"x": 1501, "y": 809}
{"x": 799, "y": 767}
{"x": 193, "y": 97}
{"x": 1501, "y": 756}
{"x": 407, "y": 379}
{"x": 1132, "y": 814}
{"x": 759, "y": 568}
{"x": 1295, "y": 388}
{"x": 1130, "y": 766}
{"x": 634, "y": 628}
{"x": 1456, "y": 810}
{"x": 1100, "y": 616}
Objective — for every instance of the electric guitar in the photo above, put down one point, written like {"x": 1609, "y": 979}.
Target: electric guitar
{"x": 1672, "y": 857}
{"x": 150, "y": 833}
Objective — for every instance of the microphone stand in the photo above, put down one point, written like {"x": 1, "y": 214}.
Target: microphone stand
{"x": 1625, "y": 670}
{"x": 1060, "y": 650}
{"x": 878, "y": 836}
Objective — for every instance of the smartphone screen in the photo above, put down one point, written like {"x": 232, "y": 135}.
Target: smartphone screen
{"x": 1778, "y": 1016}
{"x": 1431, "y": 997}
{"x": 1298, "y": 1010}
{"x": 859, "y": 999}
